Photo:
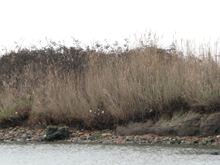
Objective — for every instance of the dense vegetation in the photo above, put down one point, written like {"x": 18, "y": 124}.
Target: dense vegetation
{"x": 102, "y": 87}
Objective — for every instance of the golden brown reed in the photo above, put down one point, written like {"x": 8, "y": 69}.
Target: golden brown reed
{"x": 108, "y": 89}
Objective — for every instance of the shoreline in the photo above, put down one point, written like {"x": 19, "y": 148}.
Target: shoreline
{"x": 27, "y": 134}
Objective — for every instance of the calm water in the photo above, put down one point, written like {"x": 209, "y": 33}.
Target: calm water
{"x": 100, "y": 154}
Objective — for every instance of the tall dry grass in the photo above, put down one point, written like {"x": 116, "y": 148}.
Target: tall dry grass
{"x": 93, "y": 89}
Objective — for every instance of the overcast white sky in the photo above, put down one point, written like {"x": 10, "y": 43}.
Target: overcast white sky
{"x": 114, "y": 20}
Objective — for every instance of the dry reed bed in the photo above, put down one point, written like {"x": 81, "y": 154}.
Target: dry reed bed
{"x": 97, "y": 90}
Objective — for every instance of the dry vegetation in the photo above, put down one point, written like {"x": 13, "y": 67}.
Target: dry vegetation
{"x": 95, "y": 89}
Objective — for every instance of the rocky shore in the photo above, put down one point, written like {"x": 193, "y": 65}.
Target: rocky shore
{"x": 187, "y": 129}
{"x": 26, "y": 134}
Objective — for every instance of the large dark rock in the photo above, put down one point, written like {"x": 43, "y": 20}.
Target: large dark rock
{"x": 182, "y": 124}
{"x": 56, "y": 133}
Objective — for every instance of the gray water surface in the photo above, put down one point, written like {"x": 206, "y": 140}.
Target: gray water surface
{"x": 101, "y": 154}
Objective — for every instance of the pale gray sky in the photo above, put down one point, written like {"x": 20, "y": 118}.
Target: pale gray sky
{"x": 114, "y": 20}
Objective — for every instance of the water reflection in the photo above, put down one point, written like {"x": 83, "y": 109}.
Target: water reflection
{"x": 100, "y": 154}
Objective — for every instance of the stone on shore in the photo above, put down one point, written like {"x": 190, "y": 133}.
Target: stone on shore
{"x": 57, "y": 133}
{"x": 214, "y": 153}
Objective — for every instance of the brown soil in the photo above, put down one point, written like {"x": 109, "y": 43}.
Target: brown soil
{"x": 181, "y": 124}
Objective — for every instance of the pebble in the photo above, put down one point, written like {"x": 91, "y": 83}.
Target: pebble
{"x": 25, "y": 134}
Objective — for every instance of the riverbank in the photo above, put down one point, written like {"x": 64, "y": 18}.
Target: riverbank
{"x": 103, "y": 89}
{"x": 27, "y": 134}
{"x": 138, "y": 94}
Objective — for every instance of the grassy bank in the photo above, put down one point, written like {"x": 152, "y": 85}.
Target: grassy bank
{"x": 102, "y": 89}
